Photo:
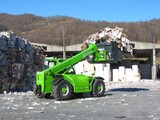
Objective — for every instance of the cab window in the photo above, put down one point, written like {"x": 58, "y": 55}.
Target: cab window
{"x": 51, "y": 64}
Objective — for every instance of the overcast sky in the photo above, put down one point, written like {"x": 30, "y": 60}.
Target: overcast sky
{"x": 96, "y": 10}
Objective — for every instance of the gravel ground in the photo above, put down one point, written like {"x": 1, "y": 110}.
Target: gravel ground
{"x": 122, "y": 101}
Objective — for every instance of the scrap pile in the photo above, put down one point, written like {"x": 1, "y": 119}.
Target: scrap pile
{"x": 19, "y": 61}
{"x": 108, "y": 35}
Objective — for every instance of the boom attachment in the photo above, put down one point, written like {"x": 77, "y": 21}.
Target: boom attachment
{"x": 62, "y": 82}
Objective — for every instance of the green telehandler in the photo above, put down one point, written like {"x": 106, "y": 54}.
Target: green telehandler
{"x": 61, "y": 81}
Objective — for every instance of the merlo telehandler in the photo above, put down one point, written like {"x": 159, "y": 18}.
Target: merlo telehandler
{"x": 61, "y": 81}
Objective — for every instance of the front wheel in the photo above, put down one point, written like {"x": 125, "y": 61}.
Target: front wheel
{"x": 62, "y": 91}
{"x": 98, "y": 88}
{"x": 37, "y": 92}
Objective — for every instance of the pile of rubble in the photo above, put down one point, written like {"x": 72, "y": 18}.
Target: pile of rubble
{"x": 108, "y": 35}
{"x": 19, "y": 61}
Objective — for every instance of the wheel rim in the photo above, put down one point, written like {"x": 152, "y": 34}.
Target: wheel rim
{"x": 99, "y": 88}
{"x": 64, "y": 90}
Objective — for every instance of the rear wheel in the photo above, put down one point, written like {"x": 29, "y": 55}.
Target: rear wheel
{"x": 98, "y": 88}
{"x": 62, "y": 91}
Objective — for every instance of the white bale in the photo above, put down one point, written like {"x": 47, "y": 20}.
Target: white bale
{"x": 115, "y": 75}
{"x": 106, "y": 73}
{"x": 135, "y": 68}
{"x": 136, "y": 74}
{"x": 88, "y": 68}
{"x": 122, "y": 73}
{"x": 99, "y": 70}
{"x": 136, "y": 77}
{"x": 79, "y": 68}
{"x": 128, "y": 75}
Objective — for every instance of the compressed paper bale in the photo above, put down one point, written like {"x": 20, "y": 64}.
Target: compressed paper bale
{"x": 37, "y": 60}
{"x": 35, "y": 69}
{"x": 1, "y": 86}
{"x": 28, "y": 71}
{"x": 38, "y": 51}
{"x": 88, "y": 68}
{"x": 4, "y": 72}
{"x": 39, "y": 68}
{"x": 128, "y": 75}
{"x": 24, "y": 87}
{"x": 12, "y": 55}
{"x": 1, "y": 58}
{"x": 28, "y": 48}
{"x": 17, "y": 70}
{"x": 3, "y": 43}
{"x": 11, "y": 42}
{"x": 40, "y": 59}
{"x": 27, "y": 84}
{"x": 26, "y": 58}
{"x": 121, "y": 73}
{"x": 115, "y": 75}
{"x": 20, "y": 55}
{"x": 20, "y": 43}
{"x": 79, "y": 68}
{"x": 6, "y": 84}
{"x": 13, "y": 87}
{"x": 136, "y": 74}
{"x": 18, "y": 63}
{"x": 98, "y": 69}
{"x": 31, "y": 59}
{"x": 107, "y": 73}
{"x": 135, "y": 68}
{"x": 4, "y": 60}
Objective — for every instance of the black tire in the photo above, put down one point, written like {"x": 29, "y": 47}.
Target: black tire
{"x": 62, "y": 91}
{"x": 37, "y": 92}
{"x": 98, "y": 88}
{"x": 47, "y": 95}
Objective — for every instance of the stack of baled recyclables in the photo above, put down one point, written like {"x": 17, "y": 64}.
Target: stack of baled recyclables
{"x": 19, "y": 61}
{"x": 123, "y": 74}
{"x": 117, "y": 35}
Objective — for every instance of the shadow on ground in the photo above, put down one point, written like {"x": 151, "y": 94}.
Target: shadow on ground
{"x": 107, "y": 94}
{"x": 128, "y": 89}
{"x": 87, "y": 95}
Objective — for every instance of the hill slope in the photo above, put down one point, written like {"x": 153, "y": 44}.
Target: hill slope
{"x": 49, "y": 30}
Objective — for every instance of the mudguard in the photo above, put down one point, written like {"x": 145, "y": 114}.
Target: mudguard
{"x": 57, "y": 80}
{"x": 99, "y": 78}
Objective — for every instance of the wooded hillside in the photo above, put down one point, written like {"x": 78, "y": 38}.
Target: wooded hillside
{"x": 49, "y": 30}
